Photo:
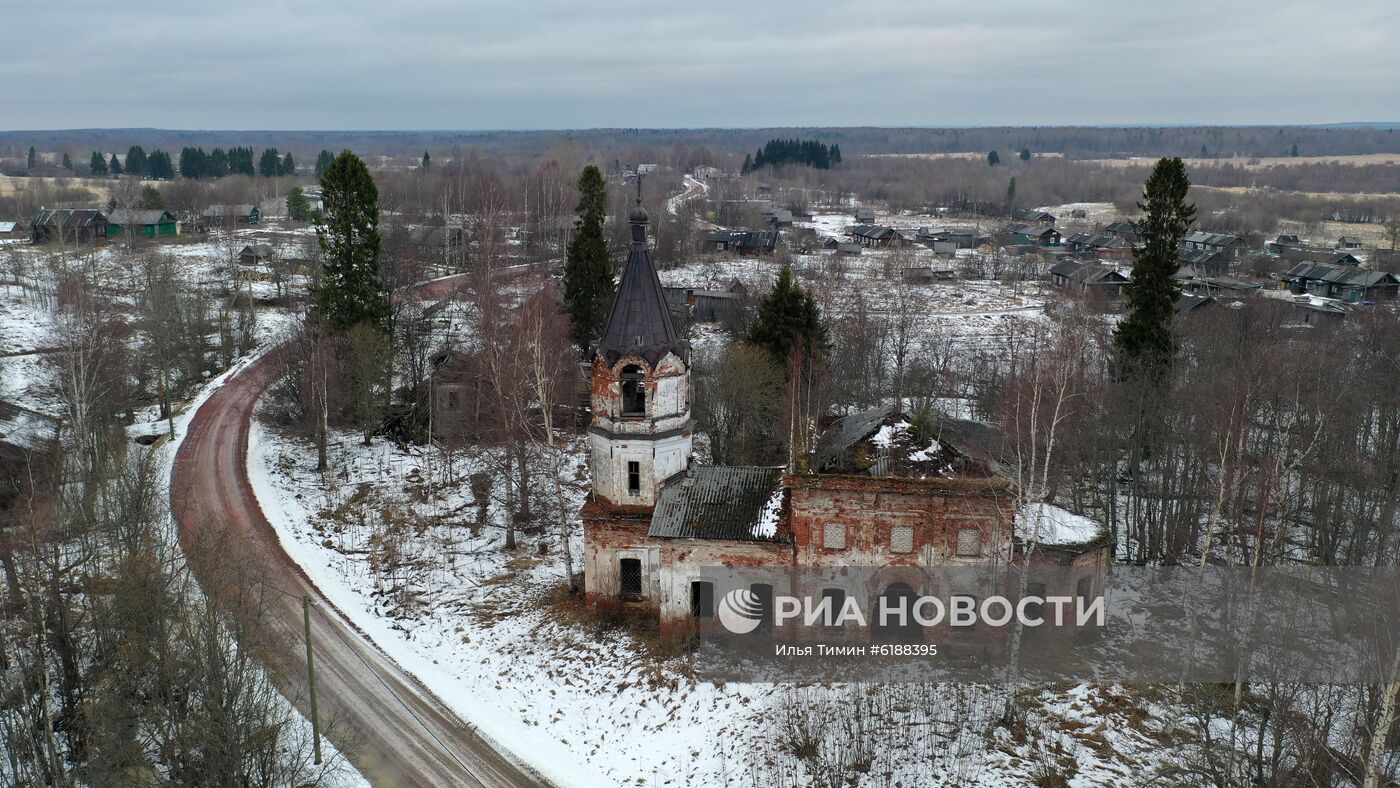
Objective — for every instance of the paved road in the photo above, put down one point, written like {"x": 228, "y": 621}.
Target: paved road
{"x": 393, "y": 729}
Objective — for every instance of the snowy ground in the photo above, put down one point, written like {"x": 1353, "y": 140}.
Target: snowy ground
{"x": 591, "y": 704}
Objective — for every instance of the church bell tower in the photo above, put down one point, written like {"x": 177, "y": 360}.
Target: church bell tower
{"x": 641, "y": 430}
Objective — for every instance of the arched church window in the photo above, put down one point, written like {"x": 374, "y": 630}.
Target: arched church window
{"x": 634, "y": 393}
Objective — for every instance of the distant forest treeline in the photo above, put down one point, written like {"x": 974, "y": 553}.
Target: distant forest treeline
{"x": 1072, "y": 141}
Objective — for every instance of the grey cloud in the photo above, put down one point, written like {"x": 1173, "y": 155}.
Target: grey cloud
{"x": 560, "y": 63}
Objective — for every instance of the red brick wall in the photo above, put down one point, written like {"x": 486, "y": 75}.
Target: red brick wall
{"x": 868, "y": 507}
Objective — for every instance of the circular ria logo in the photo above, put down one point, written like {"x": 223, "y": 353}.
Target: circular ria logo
{"x": 740, "y": 611}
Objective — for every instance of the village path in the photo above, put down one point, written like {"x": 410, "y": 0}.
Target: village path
{"x": 392, "y": 728}
{"x": 693, "y": 189}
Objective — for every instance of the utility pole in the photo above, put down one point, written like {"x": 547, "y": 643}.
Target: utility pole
{"x": 311, "y": 678}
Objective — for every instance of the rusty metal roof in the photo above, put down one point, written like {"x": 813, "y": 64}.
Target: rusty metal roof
{"x": 716, "y": 502}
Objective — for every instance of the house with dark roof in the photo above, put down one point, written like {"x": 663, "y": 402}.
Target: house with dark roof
{"x": 1101, "y": 245}
{"x": 960, "y": 238}
{"x": 252, "y": 254}
{"x": 1202, "y": 282}
{"x": 1034, "y": 234}
{"x": 1122, "y": 229}
{"x": 1031, "y": 216}
{"x": 1227, "y": 245}
{"x": 880, "y": 489}
{"x": 221, "y": 216}
{"x": 68, "y": 225}
{"x": 1348, "y": 242}
{"x": 155, "y": 223}
{"x": 1285, "y": 241}
{"x": 1348, "y": 283}
{"x": 741, "y": 242}
{"x": 876, "y": 236}
{"x": 707, "y": 306}
{"x": 1089, "y": 279}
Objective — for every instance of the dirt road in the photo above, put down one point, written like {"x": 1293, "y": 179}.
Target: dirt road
{"x": 394, "y": 730}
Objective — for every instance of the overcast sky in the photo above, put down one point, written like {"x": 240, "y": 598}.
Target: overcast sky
{"x": 531, "y": 64}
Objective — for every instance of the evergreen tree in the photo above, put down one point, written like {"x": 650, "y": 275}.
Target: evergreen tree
{"x": 269, "y": 163}
{"x": 114, "y": 166}
{"x": 217, "y": 166}
{"x": 193, "y": 163}
{"x": 1025, "y": 154}
{"x": 1011, "y": 195}
{"x": 1205, "y": 152}
{"x": 323, "y": 162}
{"x": 136, "y": 161}
{"x": 427, "y": 161}
{"x": 351, "y": 292}
{"x": 1145, "y": 339}
{"x": 151, "y": 198}
{"x": 159, "y": 166}
{"x": 1294, "y": 152}
{"x": 787, "y": 316}
{"x": 588, "y": 270}
{"x": 835, "y": 154}
{"x": 33, "y": 157}
{"x": 298, "y": 206}
{"x": 98, "y": 164}
{"x": 67, "y": 161}
{"x": 744, "y": 170}
{"x": 240, "y": 162}
{"x": 288, "y": 165}
{"x": 993, "y": 159}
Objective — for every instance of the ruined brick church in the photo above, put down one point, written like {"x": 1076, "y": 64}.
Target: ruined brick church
{"x": 879, "y": 491}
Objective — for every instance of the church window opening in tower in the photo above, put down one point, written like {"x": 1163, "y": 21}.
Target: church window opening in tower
{"x": 634, "y": 478}
{"x": 634, "y": 396}
{"x": 630, "y": 577}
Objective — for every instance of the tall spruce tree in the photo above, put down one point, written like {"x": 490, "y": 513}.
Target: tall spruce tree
{"x": 323, "y": 162}
{"x": 351, "y": 292}
{"x": 33, "y": 158}
{"x": 98, "y": 164}
{"x": 427, "y": 161}
{"x": 269, "y": 163}
{"x": 588, "y": 272}
{"x": 993, "y": 159}
{"x": 788, "y": 316}
{"x": 1145, "y": 339}
{"x": 114, "y": 166}
{"x": 136, "y": 160}
{"x": 67, "y": 161}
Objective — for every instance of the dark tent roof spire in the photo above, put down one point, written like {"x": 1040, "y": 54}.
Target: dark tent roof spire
{"x": 640, "y": 322}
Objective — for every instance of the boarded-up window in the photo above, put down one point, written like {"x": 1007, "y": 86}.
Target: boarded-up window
{"x": 702, "y": 599}
{"x": 630, "y": 577}
{"x": 834, "y": 536}
{"x": 969, "y": 542}
{"x": 901, "y": 539}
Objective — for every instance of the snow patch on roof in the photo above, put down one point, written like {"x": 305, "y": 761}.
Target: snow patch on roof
{"x": 767, "y": 524}
{"x": 927, "y": 453}
{"x": 890, "y": 434}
